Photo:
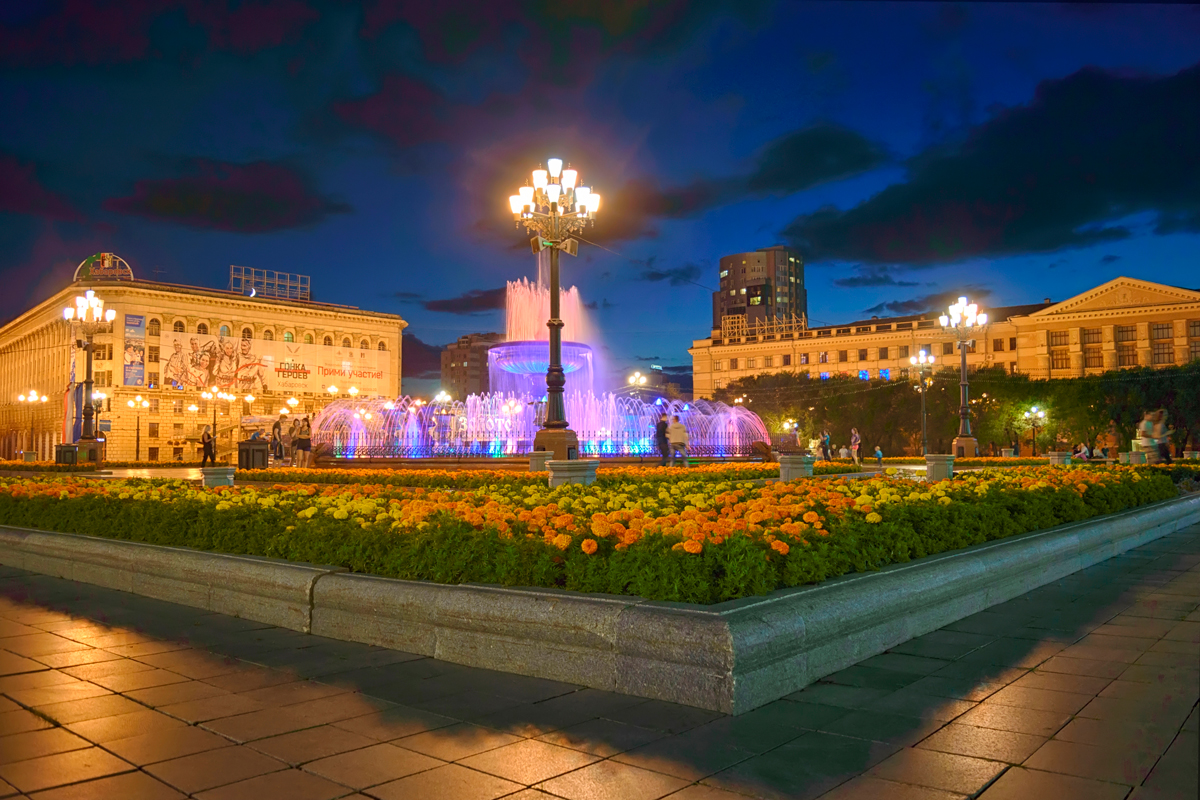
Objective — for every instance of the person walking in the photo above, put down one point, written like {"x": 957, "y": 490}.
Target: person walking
{"x": 660, "y": 438}
{"x": 677, "y": 441}
{"x": 289, "y": 452}
{"x": 208, "y": 448}
{"x": 855, "y": 444}
{"x": 303, "y": 443}
{"x": 826, "y": 453}
{"x": 878, "y": 456}
{"x": 277, "y": 437}
{"x": 1162, "y": 436}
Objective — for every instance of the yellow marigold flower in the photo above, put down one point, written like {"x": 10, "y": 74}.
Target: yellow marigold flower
{"x": 589, "y": 546}
{"x": 562, "y": 541}
{"x": 692, "y": 546}
{"x": 874, "y": 517}
{"x": 943, "y": 500}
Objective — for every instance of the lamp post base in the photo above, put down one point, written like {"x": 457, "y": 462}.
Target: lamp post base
{"x": 965, "y": 447}
{"x": 91, "y": 451}
{"x": 562, "y": 442}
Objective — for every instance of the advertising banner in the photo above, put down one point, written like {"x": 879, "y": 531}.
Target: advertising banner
{"x": 135, "y": 350}
{"x": 254, "y": 366}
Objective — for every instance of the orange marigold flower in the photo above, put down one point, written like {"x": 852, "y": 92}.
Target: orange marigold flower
{"x": 780, "y": 547}
{"x": 562, "y": 541}
{"x": 589, "y": 546}
{"x": 811, "y": 516}
{"x": 692, "y": 546}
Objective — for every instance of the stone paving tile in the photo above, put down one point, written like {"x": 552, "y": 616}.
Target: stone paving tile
{"x": 127, "y": 786}
{"x": 870, "y": 788}
{"x": 450, "y": 782}
{"x": 62, "y": 768}
{"x": 1018, "y": 783}
{"x": 35, "y": 744}
{"x": 947, "y": 771}
{"x": 372, "y": 765}
{"x": 528, "y": 762}
{"x": 609, "y": 780}
{"x": 150, "y": 748}
{"x": 996, "y": 745}
{"x": 291, "y": 784}
{"x": 213, "y": 768}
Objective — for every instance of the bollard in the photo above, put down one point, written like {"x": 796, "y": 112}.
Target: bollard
{"x": 1007, "y": 452}
{"x": 217, "y": 476}
{"x": 938, "y": 467}
{"x": 1059, "y": 457}
{"x": 538, "y": 460}
{"x": 575, "y": 470}
{"x": 1136, "y": 457}
{"x": 792, "y": 467}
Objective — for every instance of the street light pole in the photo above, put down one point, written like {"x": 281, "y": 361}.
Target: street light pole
{"x": 1035, "y": 417}
{"x": 138, "y": 404}
{"x": 89, "y": 313}
{"x": 552, "y": 209}
{"x": 33, "y": 398}
{"x": 966, "y": 322}
{"x": 922, "y": 361}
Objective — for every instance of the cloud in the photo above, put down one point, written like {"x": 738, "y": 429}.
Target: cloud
{"x": 419, "y": 360}
{"x": 408, "y": 297}
{"x": 1086, "y": 151}
{"x": 937, "y": 301}
{"x": 871, "y": 277}
{"x": 646, "y": 358}
{"x": 403, "y": 111}
{"x": 601, "y": 305}
{"x": 1108, "y": 259}
{"x": 676, "y": 276}
{"x": 256, "y": 197}
{"x": 476, "y": 301}
{"x": 22, "y": 193}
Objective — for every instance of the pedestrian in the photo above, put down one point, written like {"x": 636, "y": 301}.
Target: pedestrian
{"x": 844, "y": 452}
{"x": 277, "y": 436}
{"x": 826, "y": 453}
{"x": 208, "y": 447}
{"x": 303, "y": 443}
{"x": 1145, "y": 439}
{"x": 677, "y": 441}
{"x": 288, "y": 439}
{"x": 878, "y": 456}
{"x": 855, "y": 443}
{"x": 660, "y": 438}
{"x": 1162, "y": 436}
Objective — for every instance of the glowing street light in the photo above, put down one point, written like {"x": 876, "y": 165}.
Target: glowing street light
{"x": 966, "y": 322}
{"x": 89, "y": 315}
{"x": 1036, "y": 418}
{"x": 32, "y": 399}
{"x": 924, "y": 363}
{"x": 137, "y": 404}
{"x": 553, "y": 208}
{"x": 637, "y": 379}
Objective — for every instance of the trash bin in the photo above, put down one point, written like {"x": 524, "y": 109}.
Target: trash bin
{"x": 29, "y": 455}
{"x": 66, "y": 454}
{"x": 252, "y": 454}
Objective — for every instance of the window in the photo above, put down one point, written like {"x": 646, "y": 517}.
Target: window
{"x": 864, "y": 375}
{"x": 1162, "y": 330}
{"x": 751, "y": 363}
{"x": 717, "y": 366}
{"x": 346, "y": 342}
{"x": 1060, "y": 359}
{"x": 768, "y": 361}
{"x": 947, "y": 348}
{"x": 883, "y": 354}
{"x": 327, "y": 341}
{"x": 307, "y": 338}
{"x": 152, "y": 354}
{"x": 177, "y": 453}
{"x": 152, "y": 430}
{"x": 178, "y": 326}
{"x": 720, "y": 383}
{"x": 1127, "y": 356}
{"x": 1012, "y": 343}
{"x": 1164, "y": 353}
{"x": 1126, "y": 333}
{"x": 202, "y": 328}
{"x": 823, "y": 358}
{"x": 152, "y": 454}
{"x": 364, "y": 345}
{"x": 153, "y": 405}
{"x": 1090, "y": 335}
{"x": 176, "y": 406}
{"x": 247, "y": 333}
{"x": 1093, "y": 358}
{"x": 724, "y": 273}
{"x": 153, "y": 328}
{"x": 903, "y": 351}
{"x": 842, "y": 331}
{"x": 382, "y": 346}
{"x": 843, "y": 355}
{"x": 151, "y": 380}
{"x": 1194, "y": 328}
{"x": 997, "y": 345}
{"x": 755, "y": 301}
{"x": 733, "y": 363}
{"x": 862, "y": 355}
{"x": 1193, "y": 351}
{"x": 203, "y": 404}
{"x": 787, "y": 360}
{"x": 224, "y": 330}
{"x": 269, "y": 335}
{"x": 804, "y": 358}
{"x": 1060, "y": 338}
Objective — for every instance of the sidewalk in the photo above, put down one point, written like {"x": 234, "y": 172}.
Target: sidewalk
{"x": 1085, "y": 689}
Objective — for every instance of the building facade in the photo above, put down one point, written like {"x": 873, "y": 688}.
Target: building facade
{"x": 762, "y": 285}
{"x": 1123, "y": 323}
{"x": 465, "y": 364}
{"x": 171, "y": 343}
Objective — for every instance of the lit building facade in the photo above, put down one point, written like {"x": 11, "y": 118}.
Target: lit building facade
{"x": 1123, "y": 323}
{"x": 761, "y": 285}
{"x": 170, "y": 343}
{"x": 465, "y": 364}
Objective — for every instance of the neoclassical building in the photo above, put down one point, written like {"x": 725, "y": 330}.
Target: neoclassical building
{"x": 170, "y": 343}
{"x": 1123, "y": 323}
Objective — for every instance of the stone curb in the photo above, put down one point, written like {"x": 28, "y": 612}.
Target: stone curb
{"x": 730, "y": 657}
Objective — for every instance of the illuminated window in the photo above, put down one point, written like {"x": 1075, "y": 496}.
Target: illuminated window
{"x": 823, "y": 358}
{"x": 308, "y": 338}
{"x": 224, "y": 330}
{"x": 804, "y": 358}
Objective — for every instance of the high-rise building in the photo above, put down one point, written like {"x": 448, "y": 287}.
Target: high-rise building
{"x": 465, "y": 364}
{"x": 763, "y": 285}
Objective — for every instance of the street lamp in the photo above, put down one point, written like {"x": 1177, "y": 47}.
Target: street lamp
{"x": 138, "y": 404}
{"x": 924, "y": 363}
{"x": 214, "y": 394}
{"x": 637, "y": 379}
{"x": 553, "y": 208}
{"x": 1035, "y": 418}
{"x": 33, "y": 398}
{"x": 91, "y": 317}
{"x": 965, "y": 321}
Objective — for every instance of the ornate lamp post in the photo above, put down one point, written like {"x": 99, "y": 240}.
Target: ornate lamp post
{"x": 90, "y": 317}
{"x": 214, "y": 394}
{"x": 137, "y": 404}
{"x": 1035, "y": 418}
{"x": 553, "y": 208}
{"x": 32, "y": 400}
{"x": 965, "y": 321}
{"x": 923, "y": 363}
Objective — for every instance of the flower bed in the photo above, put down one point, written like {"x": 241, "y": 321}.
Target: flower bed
{"x": 700, "y": 541}
{"x": 44, "y": 466}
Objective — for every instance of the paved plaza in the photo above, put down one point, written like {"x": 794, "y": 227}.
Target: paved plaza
{"x": 1085, "y": 689}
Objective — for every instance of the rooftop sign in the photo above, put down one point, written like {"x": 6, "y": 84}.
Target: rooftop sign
{"x": 103, "y": 267}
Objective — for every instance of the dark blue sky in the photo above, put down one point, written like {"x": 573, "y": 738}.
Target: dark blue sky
{"x": 1015, "y": 151}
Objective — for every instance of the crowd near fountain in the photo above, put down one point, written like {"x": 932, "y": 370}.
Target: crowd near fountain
{"x": 504, "y": 420}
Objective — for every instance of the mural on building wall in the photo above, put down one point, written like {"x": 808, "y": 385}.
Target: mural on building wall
{"x": 254, "y": 366}
{"x": 135, "y": 350}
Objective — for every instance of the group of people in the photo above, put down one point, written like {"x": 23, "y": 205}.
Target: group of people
{"x": 1154, "y": 437}
{"x": 822, "y": 447}
{"x": 294, "y": 442}
{"x": 671, "y": 438}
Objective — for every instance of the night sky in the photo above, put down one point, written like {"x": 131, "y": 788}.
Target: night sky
{"x": 911, "y": 151}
